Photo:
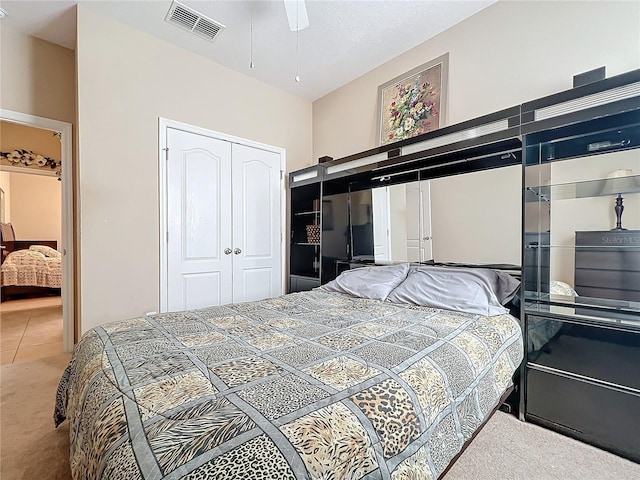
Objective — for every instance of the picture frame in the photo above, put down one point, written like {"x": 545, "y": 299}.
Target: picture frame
{"x": 413, "y": 103}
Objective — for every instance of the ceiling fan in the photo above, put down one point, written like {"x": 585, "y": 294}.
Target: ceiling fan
{"x": 296, "y": 14}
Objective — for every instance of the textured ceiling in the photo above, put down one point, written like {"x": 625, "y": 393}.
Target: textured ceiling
{"x": 344, "y": 40}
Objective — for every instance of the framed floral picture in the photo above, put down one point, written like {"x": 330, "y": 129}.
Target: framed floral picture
{"x": 413, "y": 103}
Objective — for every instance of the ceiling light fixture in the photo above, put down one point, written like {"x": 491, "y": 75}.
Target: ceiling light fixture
{"x": 296, "y": 14}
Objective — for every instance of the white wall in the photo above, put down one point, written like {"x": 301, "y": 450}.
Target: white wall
{"x": 126, "y": 81}
{"x": 507, "y": 54}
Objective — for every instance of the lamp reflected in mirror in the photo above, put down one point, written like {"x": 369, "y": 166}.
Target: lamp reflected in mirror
{"x": 617, "y": 183}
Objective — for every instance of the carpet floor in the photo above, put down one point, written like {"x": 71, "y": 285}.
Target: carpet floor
{"x": 505, "y": 448}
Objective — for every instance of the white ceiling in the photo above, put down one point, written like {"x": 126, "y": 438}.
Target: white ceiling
{"x": 345, "y": 39}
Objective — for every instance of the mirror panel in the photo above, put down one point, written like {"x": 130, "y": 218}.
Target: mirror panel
{"x": 401, "y": 223}
{"x": 569, "y": 215}
{"x": 476, "y": 217}
{"x": 472, "y": 217}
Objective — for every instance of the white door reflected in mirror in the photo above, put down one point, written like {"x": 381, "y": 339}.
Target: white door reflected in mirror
{"x": 402, "y": 222}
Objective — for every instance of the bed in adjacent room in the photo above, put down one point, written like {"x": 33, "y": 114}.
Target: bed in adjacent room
{"x": 360, "y": 378}
{"x": 30, "y": 268}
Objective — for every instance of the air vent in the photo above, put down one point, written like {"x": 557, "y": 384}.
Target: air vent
{"x": 189, "y": 19}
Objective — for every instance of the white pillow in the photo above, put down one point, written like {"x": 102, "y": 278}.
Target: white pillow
{"x": 369, "y": 282}
{"x": 557, "y": 287}
{"x": 46, "y": 251}
{"x": 470, "y": 290}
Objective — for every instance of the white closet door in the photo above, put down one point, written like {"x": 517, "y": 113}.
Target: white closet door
{"x": 426, "y": 242}
{"x": 381, "y": 224}
{"x": 199, "y": 273}
{"x": 256, "y": 226}
{"x": 413, "y": 222}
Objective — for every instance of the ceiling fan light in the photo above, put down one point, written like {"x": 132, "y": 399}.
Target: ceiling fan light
{"x": 296, "y": 14}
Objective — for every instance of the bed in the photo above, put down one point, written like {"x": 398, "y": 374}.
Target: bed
{"x": 30, "y": 268}
{"x": 356, "y": 379}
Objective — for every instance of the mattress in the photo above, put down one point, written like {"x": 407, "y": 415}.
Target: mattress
{"x": 308, "y": 385}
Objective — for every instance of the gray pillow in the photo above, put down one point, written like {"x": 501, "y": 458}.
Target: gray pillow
{"x": 471, "y": 290}
{"x": 369, "y": 282}
{"x": 504, "y": 285}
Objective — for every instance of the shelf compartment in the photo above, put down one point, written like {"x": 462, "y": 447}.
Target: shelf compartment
{"x": 587, "y": 189}
{"x": 580, "y": 247}
{"x": 590, "y": 309}
{"x": 311, "y": 212}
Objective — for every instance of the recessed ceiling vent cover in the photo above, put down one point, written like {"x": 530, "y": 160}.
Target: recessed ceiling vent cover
{"x": 189, "y": 19}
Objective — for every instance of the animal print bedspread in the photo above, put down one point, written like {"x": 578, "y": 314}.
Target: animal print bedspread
{"x": 308, "y": 385}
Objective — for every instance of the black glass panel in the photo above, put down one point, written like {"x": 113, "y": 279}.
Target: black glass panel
{"x": 599, "y": 415}
{"x": 335, "y": 233}
{"x": 361, "y": 204}
{"x": 600, "y": 353}
{"x": 572, "y": 141}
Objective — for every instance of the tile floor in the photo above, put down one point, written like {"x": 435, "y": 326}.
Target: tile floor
{"x": 30, "y": 329}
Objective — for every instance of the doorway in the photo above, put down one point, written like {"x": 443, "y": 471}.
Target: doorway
{"x": 62, "y": 132}
{"x": 222, "y": 217}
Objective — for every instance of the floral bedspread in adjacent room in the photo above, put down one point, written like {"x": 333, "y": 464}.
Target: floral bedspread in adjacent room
{"x": 38, "y": 266}
{"x": 308, "y": 385}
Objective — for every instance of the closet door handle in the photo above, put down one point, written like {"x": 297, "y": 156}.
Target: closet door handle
{"x": 227, "y": 251}
{"x": 237, "y": 251}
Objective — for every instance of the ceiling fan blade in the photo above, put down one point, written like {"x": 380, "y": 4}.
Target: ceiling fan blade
{"x": 296, "y": 14}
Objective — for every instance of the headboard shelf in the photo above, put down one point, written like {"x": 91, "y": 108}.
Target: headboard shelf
{"x": 484, "y": 136}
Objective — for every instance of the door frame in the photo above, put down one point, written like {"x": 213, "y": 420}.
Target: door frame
{"x": 163, "y": 125}
{"x": 68, "y": 254}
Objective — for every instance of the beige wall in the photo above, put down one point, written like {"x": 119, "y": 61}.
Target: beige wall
{"x": 124, "y": 84}
{"x": 5, "y": 185}
{"x": 36, "y": 208}
{"x": 36, "y": 77}
{"x": 39, "y": 78}
{"x": 505, "y": 55}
